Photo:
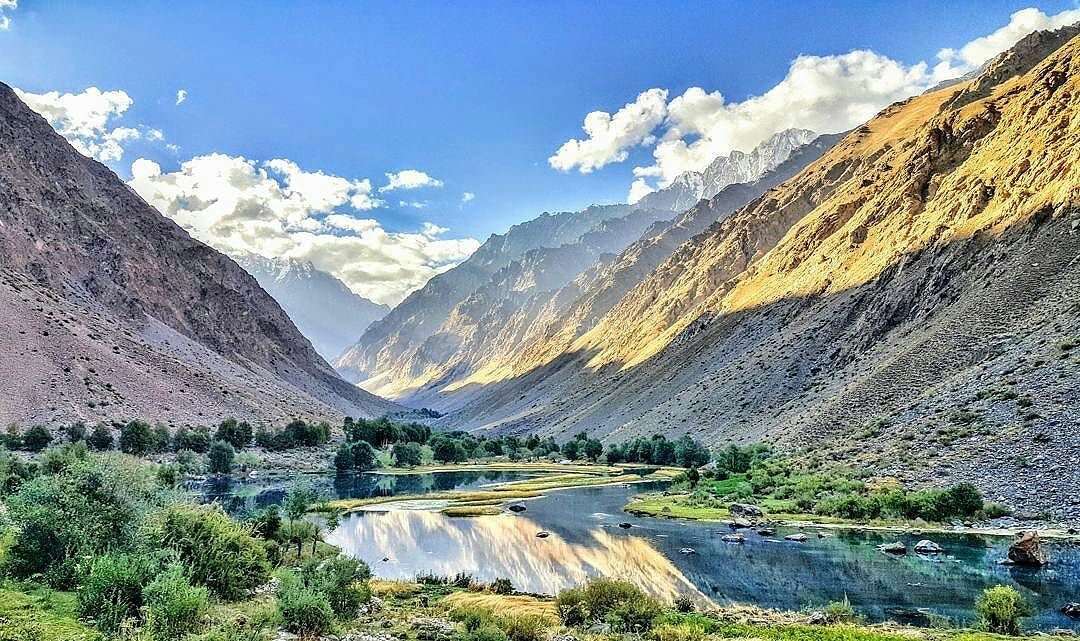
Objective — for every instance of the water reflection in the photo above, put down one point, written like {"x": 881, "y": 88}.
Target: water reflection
{"x": 586, "y": 541}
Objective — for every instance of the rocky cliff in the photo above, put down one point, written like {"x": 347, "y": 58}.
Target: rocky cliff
{"x": 111, "y": 311}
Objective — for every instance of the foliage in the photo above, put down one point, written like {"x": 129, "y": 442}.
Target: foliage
{"x": 502, "y": 586}
{"x": 342, "y": 579}
{"x": 407, "y": 454}
{"x": 237, "y": 434}
{"x": 298, "y": 433}
{"x": 524, "y": 627}
{"x": 1000, "y": 609}
{"x": 216, "y": 551}
{"x": 840, "y": 612}
{"x": 192, "y": 440}
{"x": 36, "y": 438}
{"x": 174, "y": 606}
{"x": 101, "y": 437}
{"x": 304, "y": 611}
{"x": 221, "y": 457}
{"x": 619, "y": 603}
{"x": 75, "y": 432}
{"x": 137, "y": 438}
{"x": 658, "y": 450}
{"x": 111, "y": 592}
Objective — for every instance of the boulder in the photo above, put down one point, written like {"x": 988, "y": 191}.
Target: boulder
{"x": 926, "y": 546}
{"x": 896, "y": 547}
{"x": 799, "y": 538}
{"x": 542, "y": 534}
{"x": 517, "y": 507}
{"x": 432, "y": 628}
{"x": 733, "y": 538}
{"x": 1071, "y": 609}
{"x": 745, "y": 510}
{"x": 687, "y": 551}
{"x": 741, "y": 524}
{"x": 766, "y": 531}
{"x": 1027, "y": 550}
{"x": 626, "y": 526}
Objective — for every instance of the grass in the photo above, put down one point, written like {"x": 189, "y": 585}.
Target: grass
{"x": 503, "y": 604}
{"x": 394, "y": 589}
{"x": 41, "y": 615}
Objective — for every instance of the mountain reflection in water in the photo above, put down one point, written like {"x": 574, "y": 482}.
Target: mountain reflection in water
{"x": 504, "y": 546}
{"x": 586, "y": 541}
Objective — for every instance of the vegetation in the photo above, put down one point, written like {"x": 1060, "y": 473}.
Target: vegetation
{"x": 1000, "y": 609}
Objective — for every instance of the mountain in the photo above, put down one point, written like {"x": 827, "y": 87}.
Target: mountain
{"x": 737, "y": 167}
{"x": 922, "y": 271}
{"x": 422, "y": 312}
{"x": 328, "y": 313}
{"x": 112, "y": 311}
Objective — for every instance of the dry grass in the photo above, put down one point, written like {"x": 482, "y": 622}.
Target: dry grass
{"x": 472, "y": 510}
{"x": 503, "y": 605}
{"x": 385, "y": 588}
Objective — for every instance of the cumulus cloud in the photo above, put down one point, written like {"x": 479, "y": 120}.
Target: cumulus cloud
{"x": 5, "y": 7}
{"x": 87, "y": 120}
{"x": 278, "y": 209}
{"x": 956, "y": 62}
{"x": 822, "y": 93}
{"x": 467, "y": 197}
{"x": 181, "y": 96}
{"x": 409, "y": 179}
{"x": 610, "y": 137}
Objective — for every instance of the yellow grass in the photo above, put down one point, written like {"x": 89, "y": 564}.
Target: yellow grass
{"x": 385, "y": 588}
{"x": 503, "y": 604}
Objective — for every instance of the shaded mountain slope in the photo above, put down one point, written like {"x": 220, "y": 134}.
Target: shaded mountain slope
{"x": 924, "y": 270}
{"x": 113, "y": 311}
{"x": 328, "y": 313}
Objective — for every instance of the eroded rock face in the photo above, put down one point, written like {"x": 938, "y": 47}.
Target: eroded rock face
{"x": 1027, "y": 550}
{"x": 112, "y": 311}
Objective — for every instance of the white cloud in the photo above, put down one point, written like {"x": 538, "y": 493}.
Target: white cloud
{"x": 955, "y": 62}
{"x": 822, "y": 93}
{"x": 5, "y": 6}
{"x": 414, "y": 204}
{"x": 181, "y": 96}
{"x": 277, "y": 209}
{"x": 467, "y": 197}
{"x": 409, "y": 179}
{"x": 87, "y": 120}
{"x": 609, "y": 137}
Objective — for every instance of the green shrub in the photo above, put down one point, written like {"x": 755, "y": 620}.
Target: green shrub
{"x": 1000, "y": 609}
{"x": 473, "y": 618}
{"x": 619, "y": 603}
{"x": 684, "y": 604}
{"x": 840, "y": 612}
{"x": 111, "y": 591}
{"x": 342, "y": 579}
{"x": 193, "y": 440}
{"x": 304, "y": 611}
{"x": 36, "y": 438}
{"x": 174, "y": 607}
{"x": 217, "y": 552}
{"x": 221, "y": 456}
{"x": 101, "y": 438}
{"x": 683, "y": 632}
{"x": 237, "y": 434}
{"x": 502, "y": 586}
{"x": 137, "y": 438}
{"x": 487, "y": 633}
{"x": 524, "y": 627}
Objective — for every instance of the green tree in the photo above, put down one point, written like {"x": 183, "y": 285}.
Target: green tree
{"x": 136, "y": 438}
{"x": 75, "y": 432}
{"x": 407, "y": 454}
{"x": 101, "y": 438}
{"x": 236, "y": 433}
{"x": 343, "y": 457}
{"x": 36, "y": 438}
{"x": 221, "y": 456}
{"x": 592, "y": 449}
{"x": 1000, "y": 609}
{"x": 363, "y": 456}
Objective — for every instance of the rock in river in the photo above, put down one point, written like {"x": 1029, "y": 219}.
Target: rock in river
{"x": 1027, "y": 550}
{"x": 926, "y": 546}
{"x": 741, "y": 524}
{"x": 626, "y": 526}
{"x": 687, "y": 551}
{"x": 1071, "y": 610}
{"x": 517, "y": 507}
{"x": 543, "y": 534}
{"x": 745, "y": 510}
{"x": 896, "y": 547}
{"x": 733, "y": 538}
{"x": 766, "y": 531}
{"x": 800, "y": 537}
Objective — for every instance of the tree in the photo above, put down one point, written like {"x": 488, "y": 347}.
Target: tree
{"x": 693, "y": 477}
{"x": 136, "y": 438}
{"x": 571, "y": 449}
{"x": 343, "y": 457}
{"x": 194, "y": 440}
{"x": 161, "y": 438}
{"x": 963, "y": 499}
{"x": 75, "y": 432}
{"x": 298, "y": 498}
{"x": 237, "y": 434}
{"x": 101, "y": 438}
{"x": 36, "y": 438}
{"x": 220, "y": 458}
{"x": 363, "y": 456}
{"x": 592, "y": 449}
{"x": 407, "y": 454}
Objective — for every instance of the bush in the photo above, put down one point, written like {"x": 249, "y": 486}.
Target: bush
{"x": 75, "y": 432}
{"x": 684, "y": 604}
{"x": 839, "y": 612}
{"x": 304, "y": 612}
{"x": 217, "y": 552}
{"x": 524, "y": 627}
{"x": 196, "y": 440}
{"x": 619, "y": 603}
{"x": 677, "y": 632}
{"x": 502, "y": 586}
{"x": 473, "y": 618}
{"x": 342, "y": 579}
{"x": 111, "y": 591}
{"x": 1000, "y": 609}
{"x": 487, "y": 633}
{"x": 237, "y": 434}
{"x": 174, "y": 606}
{"x": 101, "y": 438}
{"x": 363, "y": 456}
{"x": 221, "y": 457}
{"x": 36, "y": 438}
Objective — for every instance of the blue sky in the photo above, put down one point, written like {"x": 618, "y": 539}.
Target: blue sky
{"x": 476, "y": 94}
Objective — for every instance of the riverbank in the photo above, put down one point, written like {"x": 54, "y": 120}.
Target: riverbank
{"x": 490, "y": 500}
{"x": 673, "y": 506}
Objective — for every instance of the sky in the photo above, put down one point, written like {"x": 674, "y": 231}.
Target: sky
{"x": 384, "y": 140}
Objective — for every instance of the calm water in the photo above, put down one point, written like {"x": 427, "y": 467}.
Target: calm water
{"x": 240, "y": 496}
{"x": 586, "y": 541}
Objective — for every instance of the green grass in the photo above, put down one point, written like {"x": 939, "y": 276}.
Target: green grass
{"x": 39, "y": 614}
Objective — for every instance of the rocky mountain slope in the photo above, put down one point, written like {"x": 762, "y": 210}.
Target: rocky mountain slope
{"x": 328, "y": 313}
{"x": 422, "y": 312}
{"x": 737, "y": 167}
{"x": 111, "y": 311}
{"x": 924, "y": 271}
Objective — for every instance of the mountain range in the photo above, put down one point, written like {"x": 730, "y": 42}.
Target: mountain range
{"x": 324, "y": 309}
{"x": 111, "y": 311}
